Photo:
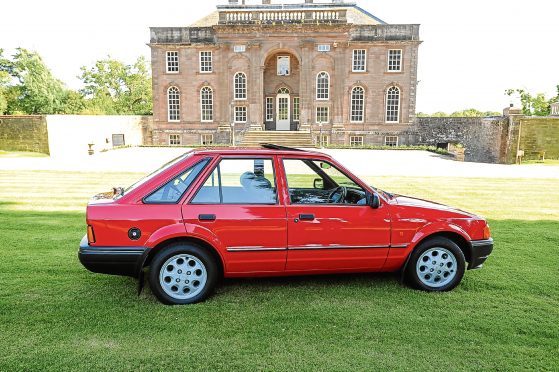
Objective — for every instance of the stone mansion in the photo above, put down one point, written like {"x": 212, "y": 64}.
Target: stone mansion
{"x": 332, "y": 72}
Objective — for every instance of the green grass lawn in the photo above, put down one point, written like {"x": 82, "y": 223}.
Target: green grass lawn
{"x": 56, "y": 315}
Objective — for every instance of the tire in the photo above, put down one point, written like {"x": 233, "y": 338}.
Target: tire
{"x": 182, "y": 274}
{"x": 436, "y": 265}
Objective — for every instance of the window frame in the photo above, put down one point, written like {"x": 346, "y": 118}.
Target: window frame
{"x": 362, "y": 141}
{"x": 323, "y": 48}
{"x": 386, "y": 140}
{"x": 203, "y": 63}
{"x": 216, "y": 166}
{"x": 167, "y": 65}
{"x": 235, "y": 114}
{"x": 269, "y": 109}
{"x": 178, "y": 104}
{"x": 363, "y": 102}
{"x": 399, "y": 106}
{"x": 326, "y": 96}
{"x": 202, "y": 104}
{"x": 341, "y": 170}
{"x": 353, "y": 60}
{"x": 239, "y": 48}
{"x": 202, "y": 139}
{"x": 208, "y": 161}
{"x": 179, "y": 137}
{"x": 327, "y": 108}
{"x": 237, "y": 89}
{"x": 288, "y": 68}
{"x": 401, "y": 60}
{"x": 296, "y": 109}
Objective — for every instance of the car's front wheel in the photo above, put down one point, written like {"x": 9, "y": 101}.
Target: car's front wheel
{"x": 182, "y": 274}
{"x": 436, "y": 265}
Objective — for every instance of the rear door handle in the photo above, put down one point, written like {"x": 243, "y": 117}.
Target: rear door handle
{"x": 306, "y": 217}
{"x": 206, "y": 217}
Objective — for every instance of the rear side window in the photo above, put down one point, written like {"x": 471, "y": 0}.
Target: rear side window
{"x": 239, "y": 181}
{"x": 172, "y": 191}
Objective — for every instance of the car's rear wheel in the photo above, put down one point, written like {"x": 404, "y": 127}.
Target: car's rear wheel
{"x": 182, "y": 274}
{"x": 436, "y": 265}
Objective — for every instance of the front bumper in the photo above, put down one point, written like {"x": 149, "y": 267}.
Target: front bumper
{"x": 125, "y": 261}
{"x": 481, "y": 249}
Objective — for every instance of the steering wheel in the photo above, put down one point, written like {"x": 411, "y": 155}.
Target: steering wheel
{"x": 338, "y": 195}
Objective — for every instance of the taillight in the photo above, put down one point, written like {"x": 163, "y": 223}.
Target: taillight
{"x": 486, "y": 232}
{"x": 90, "y": 234}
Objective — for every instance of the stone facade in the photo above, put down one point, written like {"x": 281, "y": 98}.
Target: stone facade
{"x": 24, "y": 133}
{"x": 316, "y": 38}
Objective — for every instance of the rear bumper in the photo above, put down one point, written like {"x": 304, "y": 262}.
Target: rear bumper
{"x": 481, "y": 249}
{"x": 125, "y": 261}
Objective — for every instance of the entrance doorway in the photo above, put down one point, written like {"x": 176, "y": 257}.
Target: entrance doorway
{"x": 283, "y": 109}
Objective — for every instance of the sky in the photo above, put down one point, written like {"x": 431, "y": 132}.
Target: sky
{"x": 472, "y": 50}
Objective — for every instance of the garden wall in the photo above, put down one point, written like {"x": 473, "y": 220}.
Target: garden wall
{"x": 24, "y": 133}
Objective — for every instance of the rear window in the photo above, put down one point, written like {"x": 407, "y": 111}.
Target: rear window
{"x": 173, "y": 190}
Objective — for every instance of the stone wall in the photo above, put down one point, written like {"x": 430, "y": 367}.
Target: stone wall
{"x": 539, "y": 136}
{"x": 24, "y": 133}
{"x": 484, "y": 139}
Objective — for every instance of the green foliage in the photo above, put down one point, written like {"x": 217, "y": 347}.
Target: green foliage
{"x": 536, "y": 105}
{"x": 112, "y": 87}
{"x": 39, "y": 92}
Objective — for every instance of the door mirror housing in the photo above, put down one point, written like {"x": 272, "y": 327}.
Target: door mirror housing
{"x": 318, "y": 183}
{"x": 373, "y": 200}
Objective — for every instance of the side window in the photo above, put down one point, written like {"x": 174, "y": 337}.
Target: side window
{"x": 172, "y": 191}
{"x": 319, "y": 182}
{"x": 239, "y": 181}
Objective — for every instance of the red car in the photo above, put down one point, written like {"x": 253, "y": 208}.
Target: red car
{"x": 271, "y": 212}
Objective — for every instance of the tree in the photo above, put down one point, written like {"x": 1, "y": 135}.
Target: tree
{"x": 537, "y": 105}
{"x": 38, "y": 91}
{"x": 112, "y": 87}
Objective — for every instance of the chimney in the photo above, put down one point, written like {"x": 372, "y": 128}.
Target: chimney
{"x": 233, "y": 2}
{"x": 308, "y": 1}
{"x": 266, "y": 2}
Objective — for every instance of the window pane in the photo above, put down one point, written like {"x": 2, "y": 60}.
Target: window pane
{"x": 173, "y": 190}
{"x": 240, "y": 88}
{"x": 173, "y": 104}
{"x": 172, "y": 61}
{"x": 239, "y": 181}
{"x": 323, "y": 86}
{"x": 393, "y": 105}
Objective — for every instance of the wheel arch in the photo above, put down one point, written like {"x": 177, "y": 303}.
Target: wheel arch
{"x": 186, "y": 239}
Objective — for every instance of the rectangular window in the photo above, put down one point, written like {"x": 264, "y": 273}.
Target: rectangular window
{"x": 172, "y": 62}
{"x": 239, "y": 48}
{"x": 206, "y": 62}
{"x": 323, "y": 47}
{"x": 356, "y": 141}
{"x": 284, "y": 66}
{"x": 395, "y": 60}
{"x": 296, "y": 109}
{"x": 240, "y": 114}
{"x": 322, "y": 115}
{"x": 323, "y": 140}
{"x": 391, "y": 141}
{"x": 174, "y": 139}
{"x": 239, "y": 181}
{"x": 207, "y": 139}
{"x": 359, "y": 60}
{"x": 269, "y": 108}
{"x": 118, "y": 140}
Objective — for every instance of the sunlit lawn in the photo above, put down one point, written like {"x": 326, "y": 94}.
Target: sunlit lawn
{"x": 56, "y": 315}
{"x": 21, "y": 154}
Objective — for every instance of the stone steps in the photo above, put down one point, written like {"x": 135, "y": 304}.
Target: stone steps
{"x": 282, "y": 138}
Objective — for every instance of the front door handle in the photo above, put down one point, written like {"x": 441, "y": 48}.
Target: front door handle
{"x": 306, "y": 217}
{"x": 206, "y": 217}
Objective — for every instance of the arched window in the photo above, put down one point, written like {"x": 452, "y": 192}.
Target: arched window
{"x": 393, "y": 105}
{"x": 283, "y": 90}
{"x": 357, "y": 104}
{"x": 207, "y": 104}
{"x": 240, "y": 83}
{"x": 323, "y": 86}
{"x": 173, "y": 104}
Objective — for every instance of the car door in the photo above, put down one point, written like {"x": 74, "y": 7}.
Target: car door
{"x": 238, "y": 204}
{"x": 328, "y": 234}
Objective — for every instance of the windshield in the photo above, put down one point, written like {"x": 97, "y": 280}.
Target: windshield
{"x": 158, "y": 171}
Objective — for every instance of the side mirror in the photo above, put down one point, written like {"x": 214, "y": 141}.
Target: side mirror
{"x": 373, "y": 200}
{"x": 319, "y": 183}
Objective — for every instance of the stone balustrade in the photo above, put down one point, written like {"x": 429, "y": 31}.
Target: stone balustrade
{"x": 282, "y": 16}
